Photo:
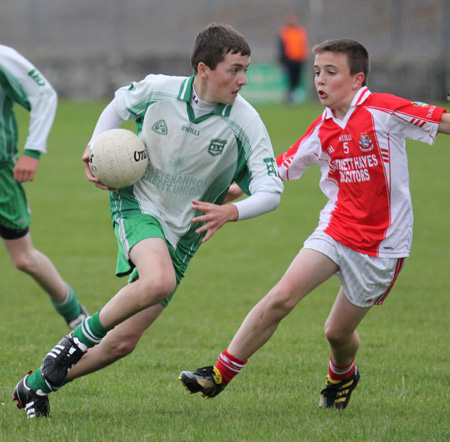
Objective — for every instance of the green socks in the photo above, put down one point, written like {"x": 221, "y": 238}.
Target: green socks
{"x": 91, "y": 331}
{"x": 36, "y": 382}
{"x": 70, "y": 308}
{"x": 88, "y": 334}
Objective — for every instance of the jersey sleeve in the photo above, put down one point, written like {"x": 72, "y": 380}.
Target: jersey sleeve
{"x": 25, "y": 85}
{"x": 109, "y": 119}
{"x": 131, "y": 102}
{"x": 257, "y": 171}
{"x": 303, "y": 154}
{"x": 412, "y": 120}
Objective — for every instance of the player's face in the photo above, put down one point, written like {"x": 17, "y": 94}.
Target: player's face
{"x": 224, "y": 83}
{"x": 334, "y": 84}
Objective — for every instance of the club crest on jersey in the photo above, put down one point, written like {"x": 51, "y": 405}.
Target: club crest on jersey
{"x": 160, "y": 127}
{"x": 177, "y": 163}
{"x": 365, "y": 143}
{"x": 216, "y": 147}
{"x": 419, "y": 104}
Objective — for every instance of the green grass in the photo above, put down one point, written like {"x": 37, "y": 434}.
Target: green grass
{"x": 404, "y": 357}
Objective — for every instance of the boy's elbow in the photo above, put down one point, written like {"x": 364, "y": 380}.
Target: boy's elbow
{"x": 275, "y": 202}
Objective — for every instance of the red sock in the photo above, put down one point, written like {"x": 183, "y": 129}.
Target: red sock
{"x": 229, "y": 366}
{"x": 338, "y": 373}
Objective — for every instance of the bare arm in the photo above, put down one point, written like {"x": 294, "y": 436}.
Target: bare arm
{"x": 444, "y": 124}
{"x": 234, "y": 192}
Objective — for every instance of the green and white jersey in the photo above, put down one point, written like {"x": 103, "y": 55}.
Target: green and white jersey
{"x": 22, "y": 83}
{"x": 191, "y": 158}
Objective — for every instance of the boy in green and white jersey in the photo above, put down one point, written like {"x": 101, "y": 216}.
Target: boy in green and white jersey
{"x": 193, "y": 155}
{"x": 201, "y": 136}
{"x": 21, "y": 83}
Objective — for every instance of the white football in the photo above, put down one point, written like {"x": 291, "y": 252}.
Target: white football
{"x": 118, "y": 158}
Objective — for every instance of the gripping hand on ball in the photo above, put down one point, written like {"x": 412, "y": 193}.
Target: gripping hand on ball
{"x": 88, "y": 172}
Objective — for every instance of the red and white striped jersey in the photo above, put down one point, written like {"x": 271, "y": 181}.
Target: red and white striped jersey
{"x": 365, "y": 170}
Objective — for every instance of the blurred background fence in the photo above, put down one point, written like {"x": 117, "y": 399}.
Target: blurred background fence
{"x": 88, "y": 48}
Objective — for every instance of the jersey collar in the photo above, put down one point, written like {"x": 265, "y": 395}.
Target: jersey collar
{"x": 359, "y": 98}
{"x": 185, "y": 94}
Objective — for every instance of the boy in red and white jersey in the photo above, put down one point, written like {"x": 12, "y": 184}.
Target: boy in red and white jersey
{"x": 365, "y": 229}
{"x": 364, "y": 169}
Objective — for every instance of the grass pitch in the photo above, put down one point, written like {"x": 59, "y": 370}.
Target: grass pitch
{"x": 404, "y": 357}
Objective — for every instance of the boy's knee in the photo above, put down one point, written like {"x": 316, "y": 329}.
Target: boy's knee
{"x": 119, "y": 349}
{"x": 281, "y": 299}
{"x": 164, "y": 287}
{"x": 155, "y": 290}
{"x": 335, "y": 334}
{"x": 22, "y": 262}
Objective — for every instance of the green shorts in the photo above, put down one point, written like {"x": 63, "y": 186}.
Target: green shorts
{"x": 129, "y": 231}
{"x": 14, "y": 211}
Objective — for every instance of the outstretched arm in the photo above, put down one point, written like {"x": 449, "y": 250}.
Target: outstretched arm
{"x": 444, "y": 124}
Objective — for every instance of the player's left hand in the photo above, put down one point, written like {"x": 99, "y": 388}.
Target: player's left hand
{"x": 214, "y": 217}
{"x": 25, "y": 169}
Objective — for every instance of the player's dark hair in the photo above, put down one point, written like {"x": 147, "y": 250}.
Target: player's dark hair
{"x": 214, "y": 43}
{"x": 357, "y": 55}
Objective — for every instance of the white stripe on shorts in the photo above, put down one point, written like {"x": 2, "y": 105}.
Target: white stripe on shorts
{"x": 124, "y": 239}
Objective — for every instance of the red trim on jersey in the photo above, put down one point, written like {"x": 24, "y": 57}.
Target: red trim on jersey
{"x": 286, "y": 158}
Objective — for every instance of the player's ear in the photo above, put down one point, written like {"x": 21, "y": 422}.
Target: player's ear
{"x": 359, "y": 79}
{"x": 202, "y": 70}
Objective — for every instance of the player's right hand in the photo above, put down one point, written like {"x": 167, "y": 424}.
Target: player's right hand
{"x": 25, "y": 169}
{"x": 88, "y": 172}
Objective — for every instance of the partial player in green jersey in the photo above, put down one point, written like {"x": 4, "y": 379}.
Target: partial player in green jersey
{"x": 201, "y": 136}
{"x": 21, "y": 83}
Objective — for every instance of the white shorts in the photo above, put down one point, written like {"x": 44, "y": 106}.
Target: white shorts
{"x": 366, "y": 280}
